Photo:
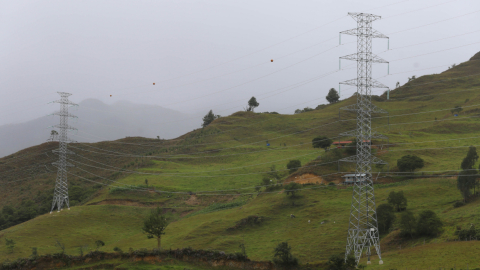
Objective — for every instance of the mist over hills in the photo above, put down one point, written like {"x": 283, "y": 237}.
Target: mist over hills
{"x": 98, "y": 121}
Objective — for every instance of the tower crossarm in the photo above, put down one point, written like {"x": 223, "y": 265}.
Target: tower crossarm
{"x": 66, "y": 114}
{"x": 65, "y": 127}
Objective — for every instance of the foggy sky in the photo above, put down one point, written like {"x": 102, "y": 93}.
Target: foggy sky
{"x": 94, "y": 49}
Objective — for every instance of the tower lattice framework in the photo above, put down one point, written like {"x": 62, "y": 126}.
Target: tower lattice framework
{"x": 60, "y": 196}
{"x": 363, "y": 226}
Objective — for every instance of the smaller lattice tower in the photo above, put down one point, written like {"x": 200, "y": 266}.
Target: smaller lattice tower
{"x": 60, "y": 196}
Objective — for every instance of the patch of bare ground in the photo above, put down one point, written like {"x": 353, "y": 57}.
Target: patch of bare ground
{"x": 306, "y": 178}
{"x": 193, "y": 200}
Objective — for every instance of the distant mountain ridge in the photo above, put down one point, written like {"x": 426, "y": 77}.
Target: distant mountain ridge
{"x": 98, "y": 121}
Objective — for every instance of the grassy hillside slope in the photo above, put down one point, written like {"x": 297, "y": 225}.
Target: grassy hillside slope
{"x": 223, "y": 163}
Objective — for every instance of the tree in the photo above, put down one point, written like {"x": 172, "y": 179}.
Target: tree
{"x": 428, "y": 223}
{"x": 321, "y": 142}
{"x": 457, "y": 109}
{"x": 208, "y": 118}
{"x": 292, "y": 188}
{"x": 466, "y": 180}
{"x": 293, "y": 165}
{"x": 283, "y": 256}
{"x": 10, "y": 244}
{"x": 408, "y": 222}
{"x": 252, "y": 104}
{"x": 274, "y": 173}
{"x": 397, "y": 85}
{"x": 412, "y": 78}
{"x": 398, "y": 200}
{"x": 155, "y": 224}
{"x": 469, "y": 161}
{"x": 385, "y": 217}
{"x": 409, "y": 163}
{"x": 99, "y": 243}
{"x": 337, "y": 262}
{"x": 60, "y": 245}
{"x": 332, "y": 96}
{"x": 146, "y": 182}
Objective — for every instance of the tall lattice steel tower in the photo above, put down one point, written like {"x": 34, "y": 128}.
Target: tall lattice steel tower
{"x": 363, "y": 227}
{"x": 60, "y": 197}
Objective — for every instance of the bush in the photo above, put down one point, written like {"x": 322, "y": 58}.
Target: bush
{"x": 428, "y": 224}
{"x": 292, "y": 188}
{"x": 337, "y": 262}
{"x": 398, "y": 200}
{"x": 468, "y": 234}
{"x": 283, "y": 256}
{"x": 458, "y": 204}
{"x": 409, "y": 163}
{"x": 321, "y": 142}
{"x": 385, "y": 217}
{"x": 408, "y": 222}
{"x": 294, "y": 165}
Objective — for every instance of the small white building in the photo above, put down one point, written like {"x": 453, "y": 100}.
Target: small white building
{"x": 351, "y": 179}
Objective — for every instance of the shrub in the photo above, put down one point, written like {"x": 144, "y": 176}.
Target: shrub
{"x": 428, "y": 223}
{"x": 321, "y": 142}
{"x": 458, "y": 204}
{"x": 468, "y": 234}
{"x": 408, "y": 222}
{"x": 385, "y": 217}
{"x": 294, "y": 165}
{"x": 337, "y": 262}
{"x": 409, "y": 163}
{"x": 99, "y": 243}
{"x": 292, "y": 188}
{"x": 398, "y": 200}
{"x": 283, "y": 256}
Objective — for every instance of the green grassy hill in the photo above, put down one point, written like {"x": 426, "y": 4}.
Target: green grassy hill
{"x": 205, "y": 180}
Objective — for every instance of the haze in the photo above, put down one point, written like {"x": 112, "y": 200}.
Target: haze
{"x": 116, "y": 50}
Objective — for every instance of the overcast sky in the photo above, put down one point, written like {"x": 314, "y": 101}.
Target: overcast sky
{"x": 214, "y": 54}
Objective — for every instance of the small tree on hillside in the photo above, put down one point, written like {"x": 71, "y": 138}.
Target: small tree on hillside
{"x": 398, "y": 200}
{"x": 293, "y": 165}
{"x": 252, "y": 104}
{"x": 321, "y": 142}
{"x": 208, "y": 118}
{"x": 292, "y": 188}
{"x": 332, "y": 96}
{"x": 155, "y": 224}
{"x": 409, "y": 163}
{"x": 336, "y": 262}
{"x": 99, "y": 244}
{"x": 10, "y": 244}
{"x": 282, "y": 256}
{"x": 385, "y": 217}
{"x": 408, "y": 223}
{"x": 428, "y": 223}
{"x": 467, "y": 178}
{"x": 457, "y": 109}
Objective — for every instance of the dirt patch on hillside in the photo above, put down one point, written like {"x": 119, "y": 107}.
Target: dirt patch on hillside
{"x": 193, "y": 200}
{"x": 126, "y": 203}
{"x": 306, "y": 178}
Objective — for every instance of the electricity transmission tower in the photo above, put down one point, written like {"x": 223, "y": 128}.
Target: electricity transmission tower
{"x": 363, "y": 226}
{"x": 60, "y": 196}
